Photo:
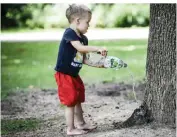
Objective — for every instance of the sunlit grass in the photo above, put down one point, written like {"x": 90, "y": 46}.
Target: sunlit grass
{"x": 31, "y": 64}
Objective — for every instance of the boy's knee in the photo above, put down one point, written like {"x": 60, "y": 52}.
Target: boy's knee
{"x": 78, "y": 113}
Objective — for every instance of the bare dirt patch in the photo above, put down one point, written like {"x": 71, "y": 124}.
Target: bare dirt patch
{"x": 106, "y": 103}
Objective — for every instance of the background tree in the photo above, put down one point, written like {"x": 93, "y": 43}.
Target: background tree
{"x": 18, "y": 15}
{"x": 12, "y": 15}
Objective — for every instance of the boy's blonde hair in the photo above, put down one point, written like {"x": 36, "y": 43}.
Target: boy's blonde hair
{"x": 76, "y": 11}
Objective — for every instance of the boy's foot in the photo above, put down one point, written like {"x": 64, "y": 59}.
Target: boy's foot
{"x": 76, "y": 132}
{"x": 86, "y": 126}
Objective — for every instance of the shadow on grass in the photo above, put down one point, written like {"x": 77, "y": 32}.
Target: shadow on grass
{"x": 11, "y": 126}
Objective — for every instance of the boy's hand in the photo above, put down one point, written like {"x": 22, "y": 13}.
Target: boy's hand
{"x": 102, "y": 51}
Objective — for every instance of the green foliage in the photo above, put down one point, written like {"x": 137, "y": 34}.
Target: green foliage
{"x": 18, "y": 125}
{"x": 14, "y": 15}
{"x": 127, "y": 15}
{"x": 98, "y": 15}
{"x": 48, "y": 17}
{"x": 31, "y": 64}
{"x": 120, "y": 16}
{"x": 53, "y": 15}
{"x": 140, "y": 15}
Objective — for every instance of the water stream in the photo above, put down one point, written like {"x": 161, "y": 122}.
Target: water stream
{"x": 133, "y": 83}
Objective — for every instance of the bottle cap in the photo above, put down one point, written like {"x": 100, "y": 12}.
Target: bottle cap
{"x": 125, "y": 65}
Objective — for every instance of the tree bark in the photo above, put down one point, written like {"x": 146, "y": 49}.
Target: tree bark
{"x": 160, "y": 92}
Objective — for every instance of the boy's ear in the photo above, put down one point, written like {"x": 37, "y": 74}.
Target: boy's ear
{"x": 77, "y": 20}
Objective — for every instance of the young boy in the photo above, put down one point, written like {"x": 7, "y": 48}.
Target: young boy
{"x": 71, "y": 56}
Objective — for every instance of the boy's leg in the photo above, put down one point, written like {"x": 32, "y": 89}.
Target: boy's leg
{"x": 79, "y": 114}
{"x": 81, "y": 124}
{"x": 71, "y": 130}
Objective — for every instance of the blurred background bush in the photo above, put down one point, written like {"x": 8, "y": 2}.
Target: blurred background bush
{"x": 47, "y": 16}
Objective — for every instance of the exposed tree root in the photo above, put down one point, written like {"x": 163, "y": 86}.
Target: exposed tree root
{"x": 141, "y": 115}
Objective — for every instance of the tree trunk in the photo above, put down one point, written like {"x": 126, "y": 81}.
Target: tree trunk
{"x": 160, "y": 92}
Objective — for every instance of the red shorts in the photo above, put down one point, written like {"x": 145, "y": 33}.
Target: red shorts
{"x": 70, "y": 89}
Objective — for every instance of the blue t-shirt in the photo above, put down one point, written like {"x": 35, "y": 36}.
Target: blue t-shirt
{"x": 69, "y": 60}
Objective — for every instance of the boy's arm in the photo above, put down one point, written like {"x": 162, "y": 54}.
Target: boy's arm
{"x": 85, "y": 49}
{"x": 93, "y": 63}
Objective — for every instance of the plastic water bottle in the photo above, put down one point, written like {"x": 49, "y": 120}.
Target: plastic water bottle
{"x": 114, "y": 62}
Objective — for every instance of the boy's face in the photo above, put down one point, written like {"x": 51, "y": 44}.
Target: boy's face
{"x": 83, "y": 23}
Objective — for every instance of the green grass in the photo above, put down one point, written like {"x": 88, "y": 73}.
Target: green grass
{"x": 17, "y": 30}
{"x": 18, "y": 125}
{"x": 31, "y": 64}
